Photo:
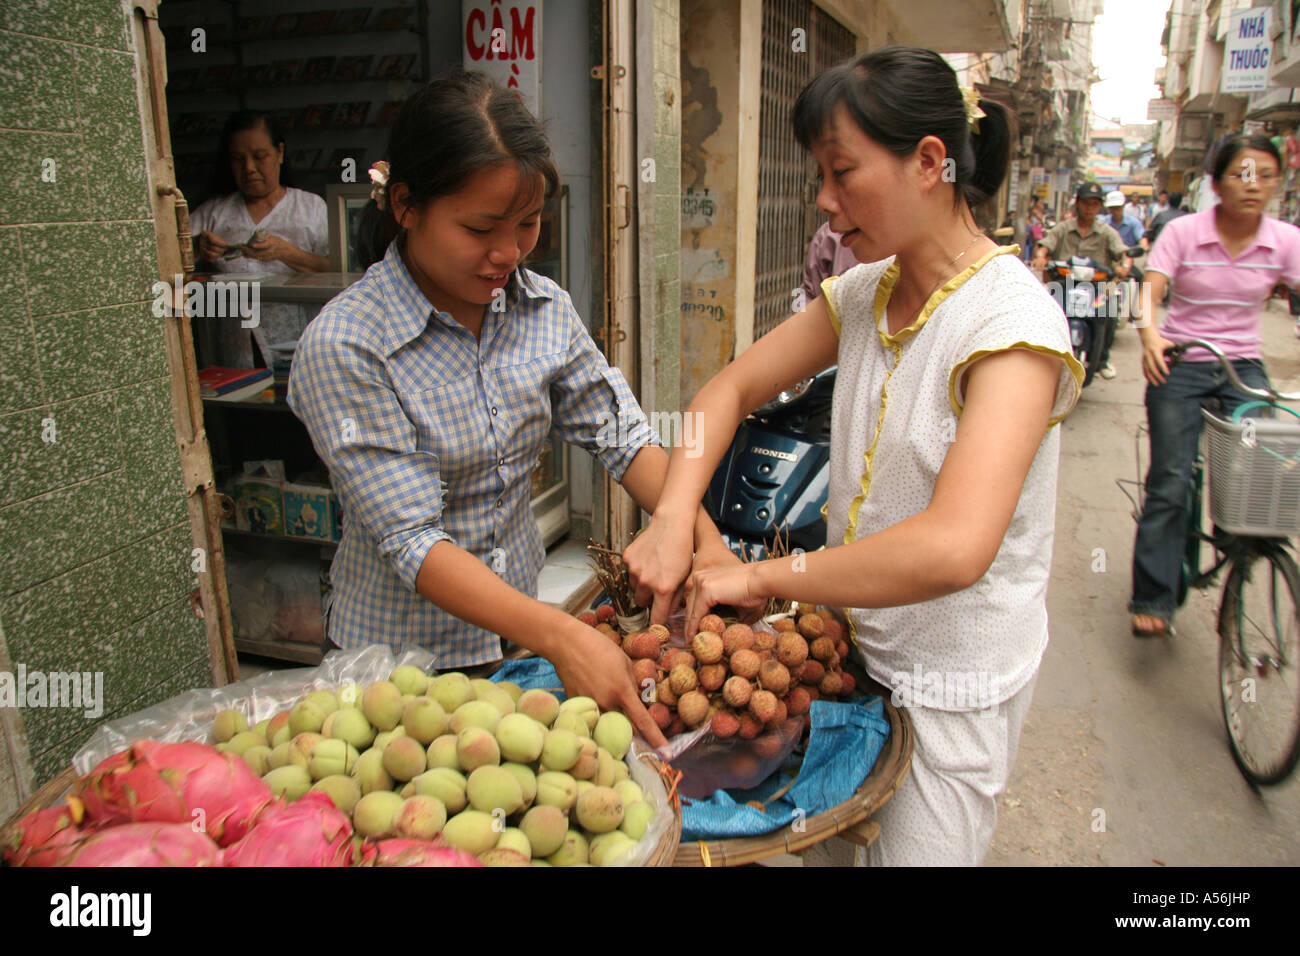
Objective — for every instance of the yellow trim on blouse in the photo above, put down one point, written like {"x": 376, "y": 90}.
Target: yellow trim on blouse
{"x": 885, "y": 289}
{"x": 830, "y": 302}
{"x": 1072, "y": 363}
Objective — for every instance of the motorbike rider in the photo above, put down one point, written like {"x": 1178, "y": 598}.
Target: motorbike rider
{"x": 1084, "y": 234}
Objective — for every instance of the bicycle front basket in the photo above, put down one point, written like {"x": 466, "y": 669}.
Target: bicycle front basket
{"x": 1254, "y": 468}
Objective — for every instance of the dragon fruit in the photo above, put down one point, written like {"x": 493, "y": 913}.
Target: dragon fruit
{"x": 43, "y": 837}
{"x": 401, "y": 852}
{"x": 176, "y": 783}
{"x": 146, "y": 844}
{"x": 311, "y": 831}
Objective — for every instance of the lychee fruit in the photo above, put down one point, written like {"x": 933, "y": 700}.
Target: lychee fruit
{"x": 737, "y": 637}
{"x": 764, "y": 640}
{"x": 589, "y": 618}
{"x": 661, "y": 715}
{"x": 660, "y": 632}
{"x": 833, "y": 629}
{"x": 693, "y": 708}
{"x": 678, "y": 726}
{"x": 768, "y": 745}
{"x": 791, "y": 650}
{"x": 762, "y": 704}
{"x": 842, "y": 649}
{"x": 725, "y": 724}
{"x": 610, "y": 633}
{"x": 811, "y": 626}
{"x": 749, "y": 726}
{"x": 683, "y": 679}
{"x": 664, "y": 693}
{"x": 737, "y": 691}
{"x": 707, "y": 647}
{"x": 774, "y": 677}
{"x": 644, "y": 670}
{"x": 831, "y": 685}
{"x": 798, "y": 702}
{"x": 711, "y": 622}
{"x": 847, "y": 684}
{"x": 712, "y": 677}
{"x": 785, "y": 624}
{"x": 641, "y": 646}
{"x": 745, "y": 663}
{"x": 677, "y": 655}
{"x": 812, "y": 673}
{"x": 604, "y": 613}
{"x": 822, "y": 648}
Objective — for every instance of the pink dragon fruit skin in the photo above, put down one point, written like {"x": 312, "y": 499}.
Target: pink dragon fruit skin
{"x": 403, "y": 852}
{"x": 172, "y": 783}
{"x": 311, "y": 831}
{"x": 43, "y": 837}
{"x": 146, "y": 844}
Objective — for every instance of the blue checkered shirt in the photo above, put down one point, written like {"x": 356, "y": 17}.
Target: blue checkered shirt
{"x": 431, "y": 435}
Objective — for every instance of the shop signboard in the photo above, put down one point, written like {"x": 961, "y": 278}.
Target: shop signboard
{"x": 1247, "y": 51}
{"x": 503, "y": 38}
{"x": 1160, "y": 110}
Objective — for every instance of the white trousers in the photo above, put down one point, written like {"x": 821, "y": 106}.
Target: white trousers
{"x": 945, "y": 811}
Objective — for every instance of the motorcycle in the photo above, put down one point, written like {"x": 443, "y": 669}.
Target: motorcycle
{"x": 1084, "y": 289}
{"x": 774, "y": 479}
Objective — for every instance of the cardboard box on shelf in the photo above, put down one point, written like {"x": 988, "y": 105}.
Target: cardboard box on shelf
{"x": 307, "y": 512}
{"x": 259, "y": 505}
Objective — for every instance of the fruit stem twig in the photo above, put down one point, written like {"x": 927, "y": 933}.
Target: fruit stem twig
{"x": 783, "y": 791}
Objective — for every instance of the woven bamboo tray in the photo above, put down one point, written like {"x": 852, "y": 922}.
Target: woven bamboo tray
{"x": 850, "y": 820}
{"x": 664, "y": 854}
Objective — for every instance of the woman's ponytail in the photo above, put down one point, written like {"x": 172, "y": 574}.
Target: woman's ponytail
{"x": 992, "y": 148}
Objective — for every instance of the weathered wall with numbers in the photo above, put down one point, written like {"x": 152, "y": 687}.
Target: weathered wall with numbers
{"x": 94, "y": 535}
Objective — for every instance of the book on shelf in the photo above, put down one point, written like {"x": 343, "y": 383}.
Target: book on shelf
{"x": 216, "y": 380}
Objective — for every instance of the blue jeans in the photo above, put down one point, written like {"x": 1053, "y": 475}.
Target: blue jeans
{"x": 1174, "y": 418}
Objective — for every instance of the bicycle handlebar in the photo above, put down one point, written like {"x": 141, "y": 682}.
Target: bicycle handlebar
{"x": 1268, "y": 395}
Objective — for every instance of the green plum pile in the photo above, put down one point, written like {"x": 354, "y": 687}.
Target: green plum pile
{"x": 513, "y": 777}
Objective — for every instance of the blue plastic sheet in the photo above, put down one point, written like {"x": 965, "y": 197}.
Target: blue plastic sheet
{"x": 845, "y": 739}
{"x": 530, "y": 673}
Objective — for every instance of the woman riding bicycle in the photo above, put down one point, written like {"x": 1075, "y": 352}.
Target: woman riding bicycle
{"x": 1224, "y": 263}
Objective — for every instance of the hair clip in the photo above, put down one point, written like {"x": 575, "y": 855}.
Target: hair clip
{"x": 379, "y": 183}
{"x": 971, "y": 99}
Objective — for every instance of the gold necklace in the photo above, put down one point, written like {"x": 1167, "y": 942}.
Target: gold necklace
{"x": 917, "y": 311}
{"x": 977, "y": 238}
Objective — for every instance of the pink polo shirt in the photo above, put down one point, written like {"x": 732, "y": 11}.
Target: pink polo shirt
{"x": 1218, "y": 298}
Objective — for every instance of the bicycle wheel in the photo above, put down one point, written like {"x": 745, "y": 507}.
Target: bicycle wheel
{"x": 1259, "y": 678}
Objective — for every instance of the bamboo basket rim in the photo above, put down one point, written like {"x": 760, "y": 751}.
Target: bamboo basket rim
{"x": 876, "y": 789}
{"x": 664, "y": 853}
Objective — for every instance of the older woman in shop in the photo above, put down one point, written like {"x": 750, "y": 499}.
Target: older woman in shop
{"x": 255, "y": 223}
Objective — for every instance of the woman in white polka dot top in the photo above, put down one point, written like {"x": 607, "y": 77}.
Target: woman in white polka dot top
{"x": 954, "y": 369}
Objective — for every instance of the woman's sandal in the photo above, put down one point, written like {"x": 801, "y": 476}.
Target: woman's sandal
{"x": 1163, "y": 628}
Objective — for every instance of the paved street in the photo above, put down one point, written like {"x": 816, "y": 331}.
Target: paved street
{"x": 1127, "y": 727}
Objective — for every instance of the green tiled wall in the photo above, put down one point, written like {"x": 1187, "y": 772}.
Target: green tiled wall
{"x": 94, "y": 535}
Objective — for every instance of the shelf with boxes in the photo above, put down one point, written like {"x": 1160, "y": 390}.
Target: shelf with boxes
{"x": 284, "y": 521}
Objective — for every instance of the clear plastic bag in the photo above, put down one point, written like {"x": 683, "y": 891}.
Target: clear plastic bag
{"x": 189, "y": 716}
{"x": 709, "y": 764}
